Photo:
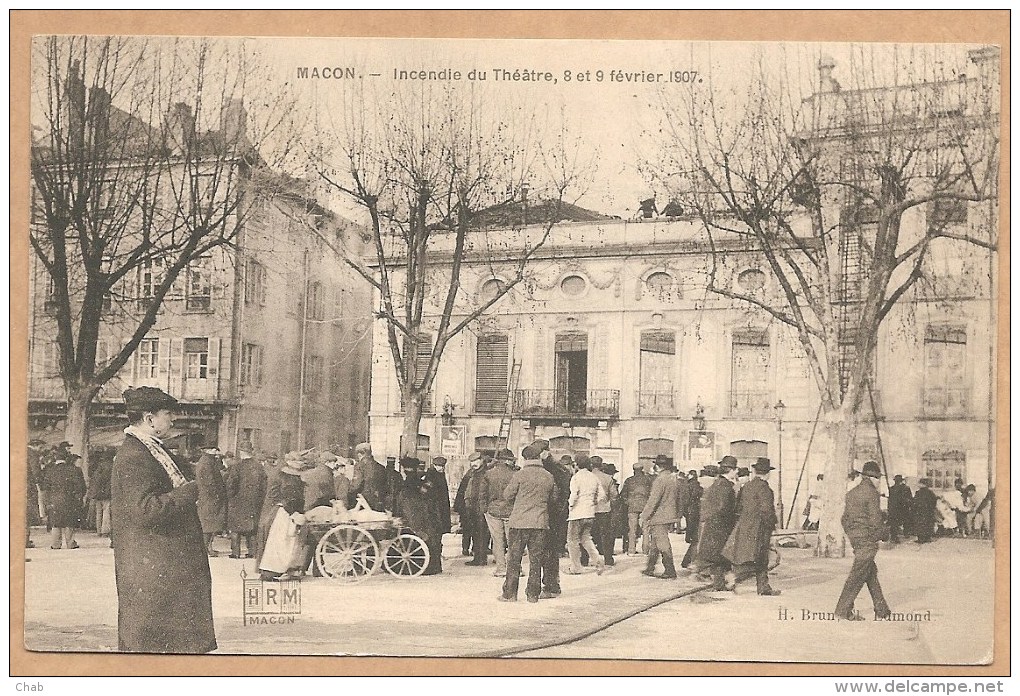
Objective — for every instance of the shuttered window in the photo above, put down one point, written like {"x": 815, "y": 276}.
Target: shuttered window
{"x": 423, "y": 355}
{"x": 491, "y": 372}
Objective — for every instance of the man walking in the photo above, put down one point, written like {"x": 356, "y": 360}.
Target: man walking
{"x": 748, "y": 545}
{"x": 718, "y": 515}
{"x": 636, "y": 490}
{"x": 862, "y": 523}
{"x": 693, "y": 517}
{"x": 531, "y": 492}
{"x": 602, "y": 531}
{"x": 585, "y": 495}
{"x": 663, "y": 509}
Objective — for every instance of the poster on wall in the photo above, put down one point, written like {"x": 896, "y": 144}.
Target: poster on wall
{"x": 700, "y": 447}
{"x": 454, "y": 439}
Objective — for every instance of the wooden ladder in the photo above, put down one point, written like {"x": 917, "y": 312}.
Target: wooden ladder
{"x": 503, "y": 439}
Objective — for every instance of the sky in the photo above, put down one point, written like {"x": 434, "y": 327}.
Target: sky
{"x": 611, "y": 98}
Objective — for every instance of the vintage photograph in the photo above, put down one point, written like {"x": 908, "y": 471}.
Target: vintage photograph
{"x": 523, "y": 348}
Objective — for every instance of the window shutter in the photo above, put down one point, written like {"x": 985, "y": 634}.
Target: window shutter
{"x": 493, "y": 354}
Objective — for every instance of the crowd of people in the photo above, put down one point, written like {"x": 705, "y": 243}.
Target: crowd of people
{"x": 164, "y": 512}
{"x": 923, "y": 513}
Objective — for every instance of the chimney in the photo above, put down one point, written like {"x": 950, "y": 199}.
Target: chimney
{"x": 233, "y": 121}
{"x": 826, "y": 64}
{"x": 181, "y": 125}
{"x": 74, "y": 94}
{"x": 99, "y": 108}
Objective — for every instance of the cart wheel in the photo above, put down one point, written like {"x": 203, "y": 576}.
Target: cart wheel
{"x": 407, "y": 556}
{"x": 347, "y": 553}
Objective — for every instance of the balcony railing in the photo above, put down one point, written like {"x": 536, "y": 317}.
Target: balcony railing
{"x": 757, "y": 405}
{"x": 944, "y": 403}
{"x": 656, "y": 403}
{"x": 595, "y": 403}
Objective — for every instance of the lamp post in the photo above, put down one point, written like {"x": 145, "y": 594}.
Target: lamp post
{"x": 780, "y": 408}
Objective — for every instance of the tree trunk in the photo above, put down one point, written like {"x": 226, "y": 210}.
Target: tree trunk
{"x": 412, "y": 419}
{"x": 841, "y": 425}
{"x": 76, "y": 430}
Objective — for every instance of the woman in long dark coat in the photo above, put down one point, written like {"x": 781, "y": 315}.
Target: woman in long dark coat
{"x": 212, "y": 498}
{"x": 65, "y": 488}
{"x": 246, "y": 488}
{"x": 164, "y": 586}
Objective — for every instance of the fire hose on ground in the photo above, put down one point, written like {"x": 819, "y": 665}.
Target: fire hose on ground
{"x": 598, "y": 628}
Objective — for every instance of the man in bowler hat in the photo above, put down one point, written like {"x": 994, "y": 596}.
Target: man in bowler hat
{"x": 748, "y": 546}
{"x": 862, "y": 522}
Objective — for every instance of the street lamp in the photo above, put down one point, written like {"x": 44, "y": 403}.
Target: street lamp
{"x": 780, "y": 408}
{"x": 698, "y": 419}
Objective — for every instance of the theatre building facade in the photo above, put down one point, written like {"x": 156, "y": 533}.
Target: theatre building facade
{"x": 624, "y": 353}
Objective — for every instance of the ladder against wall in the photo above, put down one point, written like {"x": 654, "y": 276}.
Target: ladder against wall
{"x": 506, "y": 420}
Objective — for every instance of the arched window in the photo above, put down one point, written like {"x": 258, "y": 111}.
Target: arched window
{"x": 650, "y": 448}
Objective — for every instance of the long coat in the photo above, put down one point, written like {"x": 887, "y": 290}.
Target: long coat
{"x": 862, "y": 514}
{"x": 900, "y": 499}
{"x": 212, "y": 495}
{"x": 164, "y": 586}
{"x": 924, "y": 513}
{"x": 65, "y": 487}
{"x": 246, "y": 488}
{"x": 371, "y": 481}
{"x": 756, "y": 519}
{"x": 718, "y": 515}
{"x": 439, "y": 494}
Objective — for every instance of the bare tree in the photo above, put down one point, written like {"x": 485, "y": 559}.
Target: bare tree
{"x": 435, "y": 170}
{"x": 841, "y": 193}
{"x": 144, "y": 159}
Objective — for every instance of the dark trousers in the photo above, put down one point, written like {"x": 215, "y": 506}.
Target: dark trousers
{"x": 863, "y": 572}
{"x": 550, "y": 567}
{"x": 603, "y": 536}
{"x": 557, "y": 539}
{"x": 534, "y": 540}
{"x": 479, "y": 533}
{"x": 688, "y": 558}
{"x": 657, "y": 537}
{"x": 898, "y": 525}
{"x": 923, "y": 529}
{"x": 235, "y": 543}
{"x": 435, "y": 566}
{"x": 759, "y": 569}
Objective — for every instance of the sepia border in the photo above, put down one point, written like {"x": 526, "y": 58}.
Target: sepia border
{"x": 985, "y": 26}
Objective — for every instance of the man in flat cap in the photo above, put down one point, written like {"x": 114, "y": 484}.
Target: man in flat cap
{"x": 530, "y": 492}
{"x": 164, "y": 588}
{"x": 862, "y": 523}
{"x": 718, "y": 515}
{"x": 748, "y": 545}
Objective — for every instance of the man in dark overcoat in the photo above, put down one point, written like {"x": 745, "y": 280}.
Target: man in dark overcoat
{"x": 212, "y": 497}
{"x": 164, "y": 587}
{"x": 416, "y": 506}
{"x": 748, "y": 545}
{"x": 65, "y": 488}
{"x": 900, "y": 499}
{"x": 439, "y": 491}
{"x": 862, "y": 523}
{"x": 693, "y": 517}
{"x": 718, "y": 515}
{"x": 470, "y": 506}
{"x": 246, "y": 488}
{"x": 370, "y": 479}
{"x": 924, "y": 511}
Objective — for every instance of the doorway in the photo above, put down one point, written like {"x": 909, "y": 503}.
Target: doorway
{"x": 571, "y": 394}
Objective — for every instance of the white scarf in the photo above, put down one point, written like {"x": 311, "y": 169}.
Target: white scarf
{"x": 155, "y": 448}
